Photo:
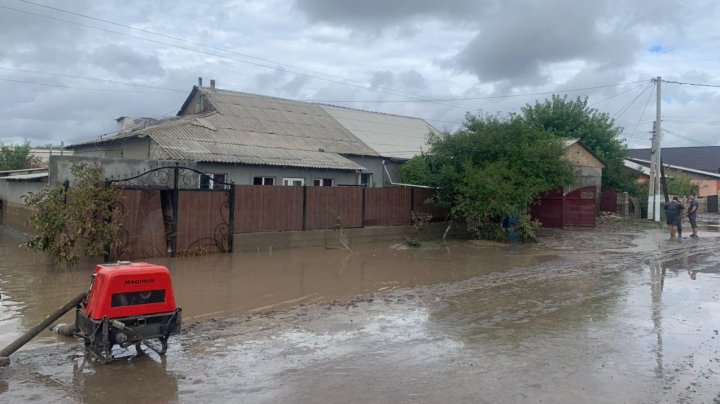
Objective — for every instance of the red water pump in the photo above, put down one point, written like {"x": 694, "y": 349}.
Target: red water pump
{"x": 128, "y": 304}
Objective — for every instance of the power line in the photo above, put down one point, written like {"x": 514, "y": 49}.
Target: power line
{"x": 123, "y": 83}
{"x": 345, "y": 81}
{"x": 691, "y": 84}
{"x": 627, "y": 106}
{"x": 689, "y": 139}
{"x": 617, "y": 95}
{"x": 277, "y": 67}
{"x": 72, "y": 87}
{"x": 641, "y": 115}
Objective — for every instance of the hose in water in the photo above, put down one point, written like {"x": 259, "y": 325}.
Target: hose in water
{"x": 31, "y": 333}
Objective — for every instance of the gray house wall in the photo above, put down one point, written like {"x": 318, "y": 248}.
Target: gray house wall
{"x": 586, "y": 177}
{"x": 13, "y": 191}
{"x": 133, "y": 148}
{"x": 244, "y": 174}
{"x": 59, "y": 168}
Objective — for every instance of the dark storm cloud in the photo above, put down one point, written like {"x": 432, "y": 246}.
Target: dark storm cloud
{"x": 517, "y": 39}
{"x": 376, "y": 14}
{"x": 382, "y": 79}
{"x": 125, "y": 62}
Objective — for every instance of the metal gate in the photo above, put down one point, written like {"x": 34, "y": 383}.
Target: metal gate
{"x": 608, "y": 201}
{"x": 712, "y": 204}
{"x": 548, "y": 209}
{"x": 193, "y": 220}
{"x": 555, "y": 210}
{"x": 579, "y": 207}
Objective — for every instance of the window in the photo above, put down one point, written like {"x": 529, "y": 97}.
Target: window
{"x": 366, "y": 180}
{"x": 323, "y": 182}
{"x": 298, "y": 182}
{"x": 213, "y": 181}
{"x": 264, "y": 181}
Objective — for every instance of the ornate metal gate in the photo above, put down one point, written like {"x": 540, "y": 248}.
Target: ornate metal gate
{"x": 180, "y": 198}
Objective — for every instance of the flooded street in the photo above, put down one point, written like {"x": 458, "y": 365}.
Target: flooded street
{"x": 612, "y": 315}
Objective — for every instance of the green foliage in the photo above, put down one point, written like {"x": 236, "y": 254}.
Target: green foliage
{"x": 79, "y": 219}
{"x": 680, "y": 184}
{"x": 489, "y": 169}
{"x": 420, "y": 221}
{"x": 527, "y": 228}
{"x": 15, "y": 157}
{"x": 573, "y": 119}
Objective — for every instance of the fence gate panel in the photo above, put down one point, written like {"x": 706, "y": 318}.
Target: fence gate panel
{"x": 195, "y": 218}
{"x": 143, "y": 231}
{"x": 261, "y": 208}
{"x": 712, "y": 204}
{"x": 203, "y": 218}
{"x": 323, "y": 203}
{"x": 548, "y": 209}
{"x": 579, "y": 207}
{"x": 387, "y": 206}
{"x": 608, "y": 201}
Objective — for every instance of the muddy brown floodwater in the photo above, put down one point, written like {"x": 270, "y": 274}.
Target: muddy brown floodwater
{"x": 611, "y": 315}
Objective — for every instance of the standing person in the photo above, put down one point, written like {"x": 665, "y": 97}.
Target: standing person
{"x": 692, "y": 214}
{"x": 672, "y": 215}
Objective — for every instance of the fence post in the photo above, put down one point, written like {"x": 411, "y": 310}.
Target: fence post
{"x": 231, "y": 216}
{"x": 412, "y": 202}
{"x": 175, "y": 197}
{"x": 304, "y": 222}
{"x": 362, "y": 223}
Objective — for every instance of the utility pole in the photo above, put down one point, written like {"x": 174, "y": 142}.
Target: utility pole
{"x": 658, "y": 150}
{"x": 654, "y": 184}
{"x": 651, "y": 181}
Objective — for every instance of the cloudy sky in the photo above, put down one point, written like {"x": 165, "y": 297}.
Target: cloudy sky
{"x": 68, "y": 69}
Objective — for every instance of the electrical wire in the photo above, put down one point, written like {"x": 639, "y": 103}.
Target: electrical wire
{"x": 689, "y": 139}
{"x": 627, "y": 106}
{"x": 690, "y": 84}
{"x": 641, "y": 115}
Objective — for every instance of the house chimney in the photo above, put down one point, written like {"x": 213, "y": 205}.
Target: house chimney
{"x": 199, "y": 81}
{"x": 212, "y": 85}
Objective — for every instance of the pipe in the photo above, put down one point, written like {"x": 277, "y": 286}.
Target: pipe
{"x": 400, "y": 183}
{"x": 31, "y": 333}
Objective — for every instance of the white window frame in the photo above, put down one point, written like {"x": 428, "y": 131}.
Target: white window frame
{"x": 211, "y": 181}
{"x": 263, "y": 180}
{"x": 322, "y": 180}
{"x": 370, "y": 179}
{"x": 290, "y": 181}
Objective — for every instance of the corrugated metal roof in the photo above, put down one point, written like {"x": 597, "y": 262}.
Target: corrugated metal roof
{"x": 704, "y": 158}
{"x": 282, "y": 123}
{"x": 252, "y": 129}
{"x": 390, "y": 135}
{"x": 25, "y": 177}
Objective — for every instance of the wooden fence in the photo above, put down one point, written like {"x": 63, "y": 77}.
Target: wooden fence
{"x": 271, "y": 208}
{"x": 203, "y": 217}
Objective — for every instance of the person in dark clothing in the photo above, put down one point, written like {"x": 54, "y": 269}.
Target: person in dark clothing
{"x": 692, "y": 214}
{"x": 672, "y": 215}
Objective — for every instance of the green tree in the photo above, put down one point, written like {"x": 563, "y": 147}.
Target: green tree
{"x": 79, "y": 219}
{"x": 490, "y": 169}
{"x": 573, "y": 119}
{"x": 15, "y": 157}
{"x": 680, "y": 184}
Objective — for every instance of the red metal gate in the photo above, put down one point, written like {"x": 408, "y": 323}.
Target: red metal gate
{"x": 555, "y": 210}
{"x": 608, "y": 201}
{"x": 548, "y": 209}
{"x": 579, "y": 207}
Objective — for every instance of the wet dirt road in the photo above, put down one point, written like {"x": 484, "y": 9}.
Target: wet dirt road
{"x": 603, "y": 316}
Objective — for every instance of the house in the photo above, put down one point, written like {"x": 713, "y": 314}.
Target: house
{"x": 586, "y": 164}
{"x": 254, "y": 139}
{"x": 700, "y": 164}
